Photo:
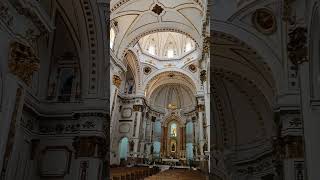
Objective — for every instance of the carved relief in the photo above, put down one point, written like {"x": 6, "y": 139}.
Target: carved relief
{"x": 90, "y": 146}
{"x": 23, "y": 62}
{"x": 192, "y": 68}
{"x": 157, "y": 9}
{"x": 147, "y": 70}
{"x": 126, "y": 112}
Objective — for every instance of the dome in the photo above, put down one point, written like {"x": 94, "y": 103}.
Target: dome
{"x": 166, "y": 45}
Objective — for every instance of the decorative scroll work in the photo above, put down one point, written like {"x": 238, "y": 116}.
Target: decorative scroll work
{"x": 23, "y": 62}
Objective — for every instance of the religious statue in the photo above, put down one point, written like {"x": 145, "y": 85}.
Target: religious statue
{"x": 151, "y": 149}
{"x": 174, "y": 133}
{"x": 131, "y": 145}
{"x": 173, "y": 148}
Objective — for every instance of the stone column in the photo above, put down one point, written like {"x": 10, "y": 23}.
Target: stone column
{"x": 200, "y": 110}
{"x": 116, "y": 81}
{"x": 289, "y": 146}
{"x": 90, "y": 145}
{"x": 138, "y": 110}
{"x": 89, "y": 153}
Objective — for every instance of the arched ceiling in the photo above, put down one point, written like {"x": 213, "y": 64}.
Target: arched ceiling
{"x": 231, "y": 54}
{"x": 166, "y": 45}
{"x": 171, "y": 82}
{"x": 173, "y": 94}
{"x": 243, "y": 91}
{"x": 135, "y": 19}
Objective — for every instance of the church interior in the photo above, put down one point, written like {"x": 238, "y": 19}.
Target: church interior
{"x": 159, "y": 89}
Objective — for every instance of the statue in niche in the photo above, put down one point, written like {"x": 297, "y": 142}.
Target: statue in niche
{"x": 174, "y": 133}
{"x": 130, "y": 86}
{"x": 205, "y": 147}
{"x": 152, "y": 149}
{"x": 131, "y": 145}
{"x": 173, "y": 147}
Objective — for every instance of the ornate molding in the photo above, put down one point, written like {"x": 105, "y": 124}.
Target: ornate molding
{"x": 5, "y": 15}
{"x": 297, "y": 46}
{"x": 33, "y": 11}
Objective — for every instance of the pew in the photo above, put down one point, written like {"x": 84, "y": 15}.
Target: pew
{"x": 132, "y": 173}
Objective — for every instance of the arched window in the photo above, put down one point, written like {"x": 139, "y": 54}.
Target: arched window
{"x": 123, "y": 148}
{"x": 112, "y": 37}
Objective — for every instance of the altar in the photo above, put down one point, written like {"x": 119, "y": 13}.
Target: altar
{"x": 170, "y": 161}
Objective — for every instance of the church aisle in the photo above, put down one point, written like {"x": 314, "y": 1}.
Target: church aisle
{"x": 178, "y": 174}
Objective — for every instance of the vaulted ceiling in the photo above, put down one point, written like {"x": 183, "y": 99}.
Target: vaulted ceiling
{"x": 135, "y": 19}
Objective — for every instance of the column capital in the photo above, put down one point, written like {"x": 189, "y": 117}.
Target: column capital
{"x": 200, "y": 108}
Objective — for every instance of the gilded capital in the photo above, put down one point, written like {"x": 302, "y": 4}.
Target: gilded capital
{"x": 116, "y": 80}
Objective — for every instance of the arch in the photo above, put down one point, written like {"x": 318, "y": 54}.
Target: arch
{"x": 266, "y": 53}
{"x": 173, "y": 117}
{"x": 243, "y": 60}
{"x": 133, "y": 63}
{"x": 189, "y": 78}
{"x": 133, "y": 39}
